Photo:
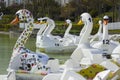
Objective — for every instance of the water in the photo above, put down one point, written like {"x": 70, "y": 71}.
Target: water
{"x": 6, "y": 45}
{"x": 5, "y": 52}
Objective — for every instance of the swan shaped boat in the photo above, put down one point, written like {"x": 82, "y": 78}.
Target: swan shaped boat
{"x": 49, "y": 43}
{"x": 105, "y": 43}
{"x": 85, "y": 60}
{"x": 23, "y": 59}
{"x": 67, "y": 34}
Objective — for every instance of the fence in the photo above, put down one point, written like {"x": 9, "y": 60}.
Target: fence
{"x": 36, "y": 26}
{"x": 113, "y": 26}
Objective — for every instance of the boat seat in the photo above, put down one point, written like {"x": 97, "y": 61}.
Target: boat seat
{"x": 102, "y": 75}
{"x": 110, "y": 65}
{"x": 90, "y": 57}
{"x": 53, "y": 65}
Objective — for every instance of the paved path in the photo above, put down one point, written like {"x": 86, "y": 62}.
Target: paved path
{"x": 2, "y": 32}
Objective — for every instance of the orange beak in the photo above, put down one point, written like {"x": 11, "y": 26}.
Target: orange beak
{"x": 105, "y": 22}
{"x": 14, "y": 21}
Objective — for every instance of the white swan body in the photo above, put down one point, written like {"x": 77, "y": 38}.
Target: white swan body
{"x": 53, "y": 44}
{"x": 105, "y": 43}
{"x": 115, "y": 37}
{"x": 40, "y": 32}
{"x": 47, "y": 42}
{"x": 84, "y": 51}
{"x": 83, "y": 55}
{"x": 116, "y": 50}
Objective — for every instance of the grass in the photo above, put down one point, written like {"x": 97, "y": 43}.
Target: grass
{"x": 117, "y": 31}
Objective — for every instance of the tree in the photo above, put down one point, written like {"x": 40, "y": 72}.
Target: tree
{"x": 69, "y": 10}
{"x": 42, "y": 8}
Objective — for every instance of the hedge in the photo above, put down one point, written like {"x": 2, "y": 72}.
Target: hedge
{"x": 59, "y": 29}
{"x": 5, "y": 23}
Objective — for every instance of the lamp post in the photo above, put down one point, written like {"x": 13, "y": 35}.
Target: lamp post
{"x": 24, "y": 8}
{"x": 23, "y": 4}
{"x": 113, "y": 10}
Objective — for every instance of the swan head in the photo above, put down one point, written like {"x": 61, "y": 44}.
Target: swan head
{"x": 68, "y": 21}
{"x": 105, "y": 20}
{"x": 85, "y": 18}
{"x": 100, "y": 22}
{"x": 23, "y": 15}
{"x": 43, "y": 20}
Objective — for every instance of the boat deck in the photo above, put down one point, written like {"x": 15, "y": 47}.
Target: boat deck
{"x": 23, "y": 76}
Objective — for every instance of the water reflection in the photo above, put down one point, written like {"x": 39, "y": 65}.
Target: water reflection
{"x": 5, "y": 52}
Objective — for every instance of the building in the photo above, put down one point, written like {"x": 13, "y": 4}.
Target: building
{"x": 10, "y": 2}
{"x": 63, "y": 2}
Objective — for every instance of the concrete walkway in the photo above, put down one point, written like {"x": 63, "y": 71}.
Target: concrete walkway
{"x": 3, "y": 77}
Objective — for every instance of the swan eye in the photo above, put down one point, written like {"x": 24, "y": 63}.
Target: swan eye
{"x": 26, "y": 12}
{"x": 17, "y": 14}
{"x": 23, "y": 17}
{"x": 89, "y": 19}
{"x": 44, "y": 20}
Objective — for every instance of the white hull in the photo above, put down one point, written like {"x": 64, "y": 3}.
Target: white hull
{"x": 65, "y": 49}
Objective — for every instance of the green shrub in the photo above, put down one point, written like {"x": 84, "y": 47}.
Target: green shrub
{"x": 59, "y": 29}
{"x": 5, "y": 23}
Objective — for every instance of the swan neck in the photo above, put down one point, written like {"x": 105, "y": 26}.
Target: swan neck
{"x": 87, "y": 30}
{"x": 105, "y": 32}
{"x": 42, "y": 29}
{"x": 50, "y": 27}
{"x": 24, "y": 35}
{"x": 100, "y": 29}
{"x": 68, "y": 29}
